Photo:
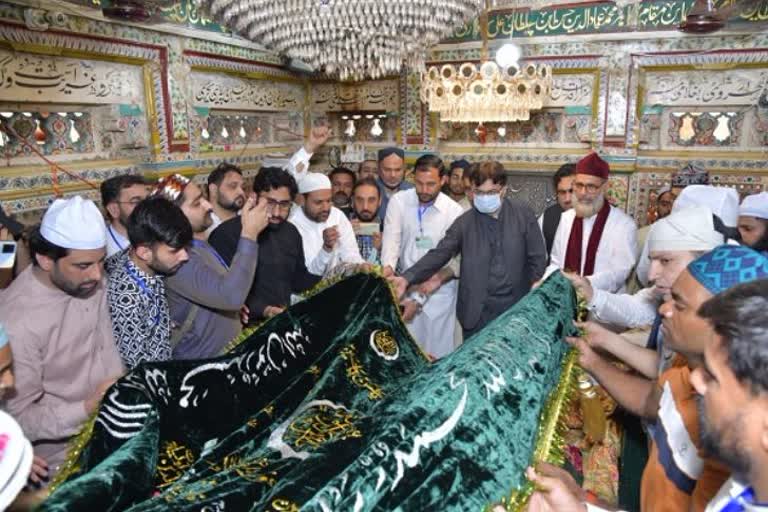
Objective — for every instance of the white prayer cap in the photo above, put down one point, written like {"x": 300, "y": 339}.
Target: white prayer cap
{"x": 755, "y": 205}
{"x": 314, "y": 181}
{"x": 690, "y": 229}
{"x": 74, "y": 223}
{"x": 722, "y": 201}
{"x": 15, "y": 460}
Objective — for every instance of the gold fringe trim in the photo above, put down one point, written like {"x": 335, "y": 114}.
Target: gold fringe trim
{"x": 550, "y": 445}
{"x": 75, "y": 449}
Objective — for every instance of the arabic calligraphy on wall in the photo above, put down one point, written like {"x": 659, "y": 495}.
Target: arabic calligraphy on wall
{"x": 374, "y": 95}
{"x": 229, "y": 92}
{"x": 571, "y": 90}
{"x": 604, "y": 17}
{"x": 28, "y": 77}
{"x": 732, "y": 87}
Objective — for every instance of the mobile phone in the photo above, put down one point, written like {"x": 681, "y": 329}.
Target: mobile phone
{"x": 7, "y": 254}
{"x": 367, "y": 228}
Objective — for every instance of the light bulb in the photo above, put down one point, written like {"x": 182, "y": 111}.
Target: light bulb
{"x": 508, "y": 55}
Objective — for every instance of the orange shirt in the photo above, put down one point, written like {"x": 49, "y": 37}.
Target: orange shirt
{"x": 678, "y": 477}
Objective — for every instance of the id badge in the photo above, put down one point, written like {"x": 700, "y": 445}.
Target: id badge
{"x": 424, "y": 242}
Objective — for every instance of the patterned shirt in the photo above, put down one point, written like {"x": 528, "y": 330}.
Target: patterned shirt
{"x": 139, "y": 309}
{"x": 369, "y": 253}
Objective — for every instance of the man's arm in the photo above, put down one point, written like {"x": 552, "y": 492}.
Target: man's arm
{"x": 201, "y": 284}
{"x": 623, "y": 309}
{"x": 393, "y": 234}
{"x": 350, "y": 252}
{"x": 319, "y": 263}
{"x": 298, "y": 165}
{"x": 224, "y": 239}
{"x": 42, "y": 416}
{"x": 622, "y": 257}
{"x": 557, "y": 256}
{"x": 638, "y": 395}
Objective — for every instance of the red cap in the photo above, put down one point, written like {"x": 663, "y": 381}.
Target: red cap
{"x": 593, "y": 165}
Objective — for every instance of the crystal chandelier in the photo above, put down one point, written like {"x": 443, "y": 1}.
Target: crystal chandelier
{"x": 491, "y": 92}
{"x": 486, "y": 94}
{"x": 352, "y": 39}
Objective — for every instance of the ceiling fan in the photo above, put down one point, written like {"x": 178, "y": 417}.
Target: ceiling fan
{"x": 705, "y": 18}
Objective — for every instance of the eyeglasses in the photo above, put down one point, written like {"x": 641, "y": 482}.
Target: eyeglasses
{"x": 589, "y": 187}
{"x": 487, "y": 192}
{"x": 283, "y": 205}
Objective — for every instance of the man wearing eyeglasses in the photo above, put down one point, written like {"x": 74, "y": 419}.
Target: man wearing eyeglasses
{"x": 594, "y": 239}
{"x": 119, "y": 196}
{"x": 281, "y": 269}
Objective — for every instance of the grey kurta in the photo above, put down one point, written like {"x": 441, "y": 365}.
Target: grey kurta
{"x": 500, "y": 260}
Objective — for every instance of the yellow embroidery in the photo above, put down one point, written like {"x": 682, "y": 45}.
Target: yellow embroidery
{"x": 251, "y": 470}
{"x": 174, "y": 460}
{"x": 386, "y": 343}
{"x": 357, "y": 375}
{"x": 284, "y": 505}
{"x": 321, "y": 424}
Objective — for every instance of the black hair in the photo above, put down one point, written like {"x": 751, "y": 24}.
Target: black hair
{"x": 564, "y": 171}
{"x": 366, "y": 181}
{"x": 158, "y": 220}
{"x": 489, "y": 170}
{"x": 110, "y": 188}
{"x": 220, "y": 172}
{"x": 343, "y": 170}
{"x": 426, "y": 162}
{"x": 726, "y": 231}
{"x": 360, "y": 165}
{"x": 738, "y": 316}
{"x": 39, "y": 245}
{"x": 271, "y": 178}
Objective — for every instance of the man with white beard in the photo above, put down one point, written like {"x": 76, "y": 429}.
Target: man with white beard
{"x": 594, "y": 239}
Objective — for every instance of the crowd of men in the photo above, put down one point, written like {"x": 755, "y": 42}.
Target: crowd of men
{"x": 177, "y": 270}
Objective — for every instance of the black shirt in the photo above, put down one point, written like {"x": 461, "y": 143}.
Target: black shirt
{"x": 280, "y": 271}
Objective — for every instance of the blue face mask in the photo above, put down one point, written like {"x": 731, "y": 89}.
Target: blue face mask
{"x": 487, "y": 203}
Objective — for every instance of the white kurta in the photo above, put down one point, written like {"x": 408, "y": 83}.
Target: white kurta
{"x": 625, "y": 310}
{"x": 318, "y": 260}
{"x": 433, "y": 328}
{"x": 616, "y": 253}
{"x": 115, "y": 241}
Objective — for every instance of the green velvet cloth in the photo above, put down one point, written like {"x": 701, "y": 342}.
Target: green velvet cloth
{"x": 330, "y": 406}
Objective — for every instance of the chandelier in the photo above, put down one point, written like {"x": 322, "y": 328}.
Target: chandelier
{"x": 489, "y": 93}
{"x": 351, "y": 39}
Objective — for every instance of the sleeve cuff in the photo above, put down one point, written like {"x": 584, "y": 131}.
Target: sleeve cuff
{"x": 598, "y": 300}
{"x": 247, "y": 246}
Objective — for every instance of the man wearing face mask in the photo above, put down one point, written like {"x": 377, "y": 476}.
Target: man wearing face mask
{"x": 502, "y": 251}
{"x": 594, "y": 239}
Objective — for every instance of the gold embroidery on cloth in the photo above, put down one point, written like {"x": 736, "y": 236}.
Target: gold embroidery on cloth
{"x": 386, "y": 344}
{"x": 357, "y": 374}
{"x": 283, "y": 505}
{"x": 320, "y": 425}
{"x": 174, "y": 459}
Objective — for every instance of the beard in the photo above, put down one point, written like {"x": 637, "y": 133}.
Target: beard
{"x": 366, "y": 215}
{"x": 318, "y": 217}
{"x": 234, "y": 205}
{"x": 586, "y": 209}
{"x": 427, "y": 198}
{"x": 164, "y": 270}
{"x": 733, "y": 455}
{"x": 82, "y": 290}
{"x": 340, "y": 199}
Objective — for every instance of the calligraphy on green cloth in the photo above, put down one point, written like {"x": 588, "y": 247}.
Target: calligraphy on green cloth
{"x": 330, "y": 406}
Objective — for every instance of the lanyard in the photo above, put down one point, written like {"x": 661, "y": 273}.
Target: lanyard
{"x": 114, "y": 238}
{"x": 737, "y": 503}
{"x": 420, "y": 214}
{"x": 209, "y": 248}
{"x": 145, "y": 290}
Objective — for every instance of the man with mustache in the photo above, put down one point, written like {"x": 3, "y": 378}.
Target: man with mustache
{"x": 159, "y": 234}
{"x": 225, "y": 193}
{"x": 366, "y": 200}
{"x": 119, "y": 196}
{"x": 57, "y": 317}
{"x": 679, "y": 475}
{"x": 594, "y": 239}
{"x": 281, "y": 270}
{"x": 207, "y": 294}
{"x": 731, "y": 385}
{"x": 342, "y": 183}
{"x": 391, "y": 178}
{"x": 326, "y": 232}
{"x": 417, "y": 220}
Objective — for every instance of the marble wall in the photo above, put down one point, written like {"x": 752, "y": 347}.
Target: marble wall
{"x": 101, "y": 98}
